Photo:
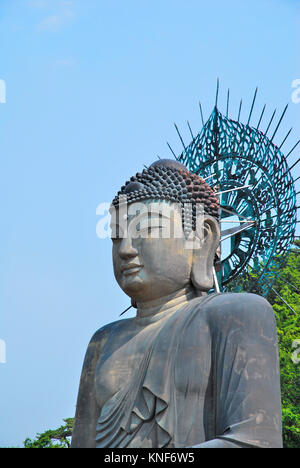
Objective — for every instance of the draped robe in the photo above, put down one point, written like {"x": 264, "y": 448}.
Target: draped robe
{"x": 206, "y": 371}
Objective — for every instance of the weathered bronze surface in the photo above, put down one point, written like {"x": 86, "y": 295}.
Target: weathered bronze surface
{"x": 191, "y": 369}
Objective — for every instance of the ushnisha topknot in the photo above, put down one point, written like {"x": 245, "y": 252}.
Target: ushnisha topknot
{"x": 171, "y": 181}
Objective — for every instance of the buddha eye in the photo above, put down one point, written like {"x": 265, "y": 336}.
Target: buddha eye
{"x": 155, "y": 231}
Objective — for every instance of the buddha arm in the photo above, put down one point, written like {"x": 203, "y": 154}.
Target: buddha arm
{"x": 87, "y": 409}
{"x": 218, "y": 443}
{"x": 246, "y": 374}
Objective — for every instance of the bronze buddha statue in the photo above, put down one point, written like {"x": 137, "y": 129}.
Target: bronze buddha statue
{"x": 192, "y": 369}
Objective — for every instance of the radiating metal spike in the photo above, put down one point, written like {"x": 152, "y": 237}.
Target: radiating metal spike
{"x": 190, "y": 129}
{"x": 217, "y": 93}
{"x": 270, "y": 122}
{"x": 210, "y": 176}
{"x": 261, "y": 116}
{"x": 231, "y": 190}
{"x": 280, "y": 120}
{"x": 240, "y": 108}
{"x": 180, "y": 136}
{"x": 277, "y": 294}
{"x": 252, "y": 106}
{"x": 284, "y": 140}
{"x": 236, "y": 221}
{"x": 216, "y": 283}
{"x": 227, "y": 103}
{"x": 172, "y": 151}
{"x": 236, "y": 232}
{"x": 233, "y": 213}
{"x": 285, "y": 281}
{"x": 125, "y": 310}
{"x": 290, "y": 168}
{"x": 200, "y": 107}
{"x": 290, "y": 152}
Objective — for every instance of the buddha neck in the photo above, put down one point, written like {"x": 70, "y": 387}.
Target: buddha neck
{"x": 177, "y": 299}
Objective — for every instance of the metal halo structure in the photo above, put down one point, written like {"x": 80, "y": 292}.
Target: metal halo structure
{"x": 257, "y": 196}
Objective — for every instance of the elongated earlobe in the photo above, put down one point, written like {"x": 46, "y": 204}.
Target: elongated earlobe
{"x": 203, "y": 258}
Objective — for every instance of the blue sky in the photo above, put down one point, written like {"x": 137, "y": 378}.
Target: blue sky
{"x": 92, "y": 90}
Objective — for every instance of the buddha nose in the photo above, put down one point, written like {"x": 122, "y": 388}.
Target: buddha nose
{"x": 126, "y": 249}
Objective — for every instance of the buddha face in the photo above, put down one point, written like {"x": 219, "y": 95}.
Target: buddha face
{"x": 151, "y": 256}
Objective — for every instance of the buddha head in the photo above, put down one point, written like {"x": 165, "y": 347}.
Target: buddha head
{"x": 165, "y": 232}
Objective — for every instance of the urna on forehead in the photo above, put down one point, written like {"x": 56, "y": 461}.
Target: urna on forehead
{"x": 169, "y": 180}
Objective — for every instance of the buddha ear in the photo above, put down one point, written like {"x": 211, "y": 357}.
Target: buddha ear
{"x": 204, "y": 255}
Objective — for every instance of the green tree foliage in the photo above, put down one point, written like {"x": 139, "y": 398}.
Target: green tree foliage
{"x": 288, "y": 328}
{"x": 57, "y": 438}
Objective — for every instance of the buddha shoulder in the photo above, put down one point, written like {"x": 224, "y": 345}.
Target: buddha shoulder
{"x": 239, "y": 309}
{"x": 100, "y": 337}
